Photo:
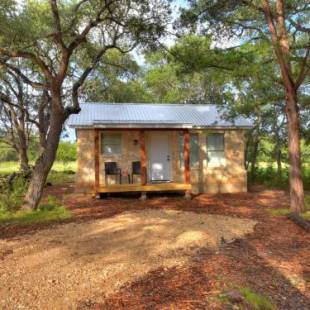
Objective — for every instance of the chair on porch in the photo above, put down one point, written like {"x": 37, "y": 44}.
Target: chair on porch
{"x": 110, "y": 168}
{"x": 135, "y": 169}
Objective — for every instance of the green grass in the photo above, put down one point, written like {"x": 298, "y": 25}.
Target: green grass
{"x": 29, "y": 217}
{"x": 256, "y": 301}
{"x": 9, "y": 167}
{"x": 286, "y": 211}
{"x": 51, "y": 210}
{"x": 60, "y": 173}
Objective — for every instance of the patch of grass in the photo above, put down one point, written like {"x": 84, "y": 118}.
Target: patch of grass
{"x": 255, "y": 300}
{"x": 279, "y": 211}
{"x": 50, "y": 210}
{"x": 286, "y": 211}
{"x": 8, "y": 167}
{"x": 60, "y": 177}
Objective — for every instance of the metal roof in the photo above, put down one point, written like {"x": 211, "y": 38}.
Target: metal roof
{"x": 158, "y": 115}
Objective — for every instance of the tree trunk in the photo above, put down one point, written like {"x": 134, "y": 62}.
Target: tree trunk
{"x": 279, "y": 161}
{"x": 46, "y": 159}
{"x": 254, "y": 158}
{"x": 23, "y": 160}
{"x": 296, "y": 183}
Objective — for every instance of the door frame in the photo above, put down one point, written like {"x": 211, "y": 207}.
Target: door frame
{"x": 149, "y": 142}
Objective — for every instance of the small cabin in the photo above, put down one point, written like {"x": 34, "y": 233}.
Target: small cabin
{"x": 192, "y": 148}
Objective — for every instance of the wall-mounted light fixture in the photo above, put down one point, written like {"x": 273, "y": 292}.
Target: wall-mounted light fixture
{"x": 135, "y": 142}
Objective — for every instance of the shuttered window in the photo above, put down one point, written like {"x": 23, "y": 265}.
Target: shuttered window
{"x": 216, "y": 149}
{"x": 111, "y": 143}
{"x": 194, "y": 150}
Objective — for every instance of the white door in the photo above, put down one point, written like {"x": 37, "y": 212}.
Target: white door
{"x": 159, "y": 156}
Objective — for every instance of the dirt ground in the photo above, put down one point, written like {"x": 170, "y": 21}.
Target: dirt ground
{"x": 164, "y": 253}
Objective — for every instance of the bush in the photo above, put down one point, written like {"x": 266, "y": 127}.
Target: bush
{"x": 12, "y": 193}
{"x": 270, "y": 178}
{"x": 66, "y": 152}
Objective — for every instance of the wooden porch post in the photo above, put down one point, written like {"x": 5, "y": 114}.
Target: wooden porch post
{"x": 142, "y": 157}
{"x": 186, "y": 137}
{"x": 96, "y": 151}
{"x": 142, "y": 161}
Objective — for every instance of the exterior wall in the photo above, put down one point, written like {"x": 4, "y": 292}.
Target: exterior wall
{"x": 129, "y": 153}
{"x": 85, "y": 175}
{"x": 229, "y": 178}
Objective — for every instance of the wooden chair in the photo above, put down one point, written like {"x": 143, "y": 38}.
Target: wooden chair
{"x": 135, "y": 169}
{"x": 110, "y": 168}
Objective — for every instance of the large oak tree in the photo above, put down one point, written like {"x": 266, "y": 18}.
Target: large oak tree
{"x": 284, "y": 26}
{"x": 52, "y": 36}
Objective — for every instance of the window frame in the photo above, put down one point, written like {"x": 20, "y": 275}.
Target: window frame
{"x": 216, "y": 150}
{"x": 102, "y": 143}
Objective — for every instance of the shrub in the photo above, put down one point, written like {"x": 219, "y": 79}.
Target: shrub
{"x": 12, "y": 193}
{"x": 270, "y": 177}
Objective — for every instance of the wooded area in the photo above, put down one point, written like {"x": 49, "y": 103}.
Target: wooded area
{"x": 250, "y": 57}
{"x": 69, "y": 250}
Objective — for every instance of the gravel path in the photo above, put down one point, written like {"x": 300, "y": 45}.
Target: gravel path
{"x": 55, "y": 268}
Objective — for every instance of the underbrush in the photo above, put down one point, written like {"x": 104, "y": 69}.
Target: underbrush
{"x": 272, "y": 179}
{"x": 12, "y": 192}
{"x": 60, "y": 177}
{"x": 49, "y": 210}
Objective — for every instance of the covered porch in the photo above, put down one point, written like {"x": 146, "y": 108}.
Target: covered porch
{"x": 156, "y": 162}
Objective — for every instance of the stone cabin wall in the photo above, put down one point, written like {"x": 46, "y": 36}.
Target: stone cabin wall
{"x": 227, "y": 179}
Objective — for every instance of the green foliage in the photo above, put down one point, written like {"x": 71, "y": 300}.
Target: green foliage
{"x": 48, "y": 211}
{"x": 7, "y": 153}
{"x": 270, "y": 177}
{"x": 255, "y": 300}
{"x": 10, "y": 167}
{"x": 50, "y": 204}
{"x": 66, "y": 153}
{"x": 11, "y": 196}
{"x": 60, "y": 177}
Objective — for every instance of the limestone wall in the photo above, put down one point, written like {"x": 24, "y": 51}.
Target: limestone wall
{"x": 231, "y": 177}
{"x": 85, "y": 175}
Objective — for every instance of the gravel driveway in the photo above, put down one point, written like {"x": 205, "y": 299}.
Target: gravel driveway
{"x": 55, "y": 268}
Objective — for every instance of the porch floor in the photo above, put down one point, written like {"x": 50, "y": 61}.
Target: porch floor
{"x": 150, "y": 187}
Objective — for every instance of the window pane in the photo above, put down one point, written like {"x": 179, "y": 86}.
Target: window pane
{"x": 216, "y": 158}
{"x": 111, "y": 149}
{"x": 215, "y": 142}
{"x": 111, "y": 143}
{"x": 194, "y": 150}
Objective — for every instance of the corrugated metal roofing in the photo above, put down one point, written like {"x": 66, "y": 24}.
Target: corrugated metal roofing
{"x": 153, "y": 115}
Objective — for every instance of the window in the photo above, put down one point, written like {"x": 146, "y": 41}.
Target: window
{"x": 111, "y": 143}
{"x": 194, "y": 150}
{"x": 215, "y": 149}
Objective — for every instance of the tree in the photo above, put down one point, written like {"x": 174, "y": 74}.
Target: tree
{"x": 117, "y": 78}
{"x": 15, "y": 127}
{"x": 51, "y": 36}
{"x": 283, "y": 25}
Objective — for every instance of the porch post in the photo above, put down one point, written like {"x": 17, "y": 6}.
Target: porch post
{"x": 96, "y": 157}
{"x": 142, "y": 156}
{"x": 186, "y": 137}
